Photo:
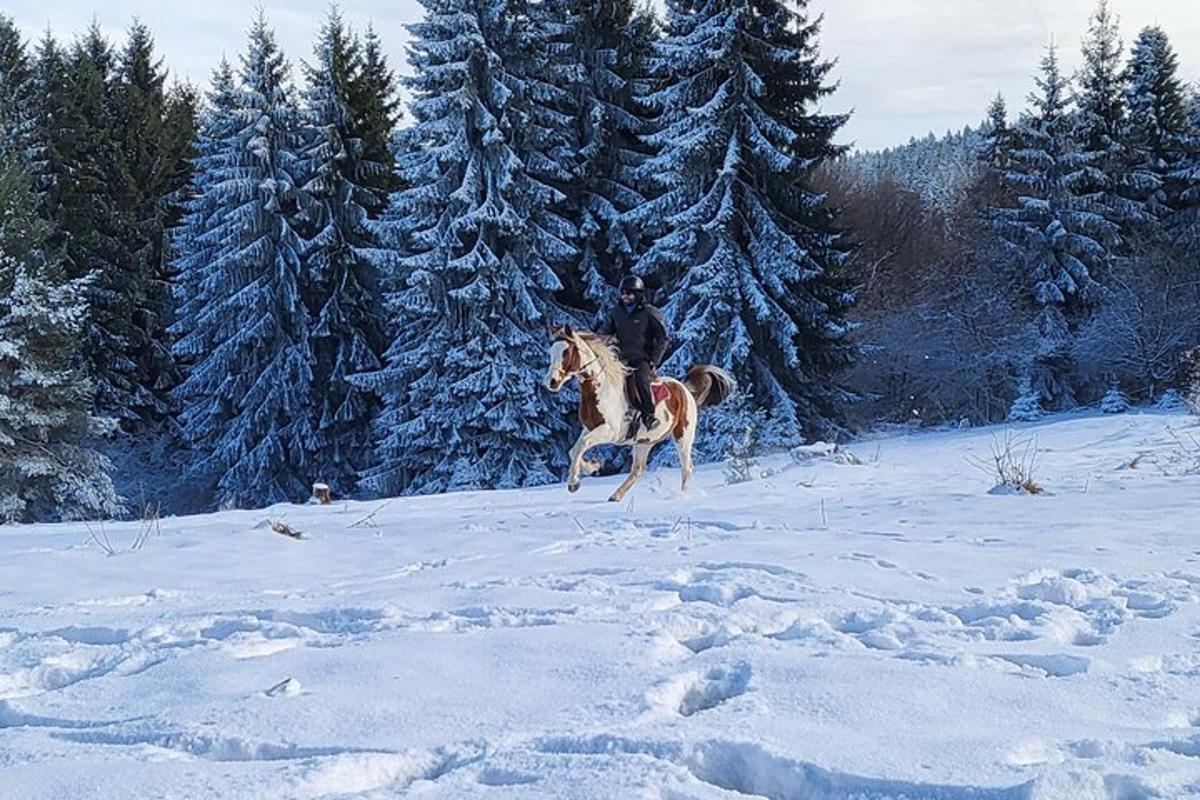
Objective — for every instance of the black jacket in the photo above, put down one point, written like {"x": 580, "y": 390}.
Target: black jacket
{"x": 641, "y": 335}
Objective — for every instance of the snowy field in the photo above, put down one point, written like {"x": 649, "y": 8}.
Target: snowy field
{"x": 833, "y": 631}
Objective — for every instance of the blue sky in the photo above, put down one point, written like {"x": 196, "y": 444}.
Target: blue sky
{"x": 905, "y": 66}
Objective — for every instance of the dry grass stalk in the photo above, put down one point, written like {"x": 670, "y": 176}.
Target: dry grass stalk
{"x": 281, "y": 527}
{"x": 1012, "y": 464}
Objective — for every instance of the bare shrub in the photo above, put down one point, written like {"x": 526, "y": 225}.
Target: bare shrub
{"x": 1011, "y": 465}
{"x": 150, "y": 525}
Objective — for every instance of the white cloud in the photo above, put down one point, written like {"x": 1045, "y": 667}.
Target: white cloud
{"x": 906, "y": 66}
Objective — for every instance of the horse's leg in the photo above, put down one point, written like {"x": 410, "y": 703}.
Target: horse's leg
{"x": 683, "y": 444}
{"x": 641, "y": 453}
{"x": 586, "y": 441}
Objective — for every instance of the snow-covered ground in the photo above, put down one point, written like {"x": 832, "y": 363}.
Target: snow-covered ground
{"x": 832, "y": 631}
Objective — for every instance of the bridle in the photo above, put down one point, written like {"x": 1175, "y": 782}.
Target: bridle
{"x": 579, "y": 370}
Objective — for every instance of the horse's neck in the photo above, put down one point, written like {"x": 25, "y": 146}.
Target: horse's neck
{"x": 610, "y": 394}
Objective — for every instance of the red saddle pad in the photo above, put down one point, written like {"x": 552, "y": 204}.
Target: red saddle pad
{"x": 658, "y": 390}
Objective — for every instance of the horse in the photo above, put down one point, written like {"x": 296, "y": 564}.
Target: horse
{"x": 606, "y": 412}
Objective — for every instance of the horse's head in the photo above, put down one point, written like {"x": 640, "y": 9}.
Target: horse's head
{"x": 565, "y": 360}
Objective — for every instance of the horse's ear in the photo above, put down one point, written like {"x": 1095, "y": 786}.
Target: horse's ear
{"x": 568, "y": 331}
{"x": 555, "y": 331}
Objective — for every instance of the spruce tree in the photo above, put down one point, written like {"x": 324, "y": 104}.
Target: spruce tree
{"x": 542, "y": 72}
{"x": 471, "y": 292}
{"x": 340, "y": 270}
{"x": 611, "y": 41}
{"x": 100, "y": 232}
{"x": 147, "y": 176}
{"x": 1100, "y": 124}
{"x": 1185, "y": 223}
{"x": 750, "y": 251}
{"x": 179, "y": 136}
{"x": 47, "y": 468}
{"x": 1159, "y": 128}
{"x": 196, "y": 242}
{"x": 16, "y": 84}
{"x": 247, "y": 406}
{"x": 375, "y": 110}
{"x": 995, "y": 151}
{"x": 1058, "y": 237}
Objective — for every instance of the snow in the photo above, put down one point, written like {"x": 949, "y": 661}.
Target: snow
{"x": 836, "y": 630}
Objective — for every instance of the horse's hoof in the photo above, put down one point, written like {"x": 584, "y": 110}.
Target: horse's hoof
{"x": 572, "y": 487}
{"x": 614, "y": 499}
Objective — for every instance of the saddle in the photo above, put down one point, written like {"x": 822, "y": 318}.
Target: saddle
{"x": 660, "y": 393}
{"x": 658, "y": 389}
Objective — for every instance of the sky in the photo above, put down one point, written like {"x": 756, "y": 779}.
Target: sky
{"x": 904, "y": 67}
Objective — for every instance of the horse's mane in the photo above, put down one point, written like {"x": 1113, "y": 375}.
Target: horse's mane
{"x": 610, "y": 362}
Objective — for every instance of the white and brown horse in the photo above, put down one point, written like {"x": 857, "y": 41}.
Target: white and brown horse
{"x": 605, "y": 410}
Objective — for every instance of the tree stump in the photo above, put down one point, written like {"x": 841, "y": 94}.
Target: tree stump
{"x": 321, "y": 494}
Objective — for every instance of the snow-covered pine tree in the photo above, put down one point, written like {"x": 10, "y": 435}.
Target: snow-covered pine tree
{"x": 544, "y": 77}
{"x": 1114, "y": 400}
{"x": 610, "y": 41}
{"x": 1185, "y": 223}
{"x": 47, "y": 469}
{"x": 340, "y": 265}
{"x": 996, "y": 144}
{"x": 1100, "y": 125}
{"x": 1158, "y": 124}
{"x": 750, "y": 252}
{"x": 196, "y": 242}
{"x": 1059, "y": 238}
{"x": 1027, "y": 407}
{"x": 247, "y": 405}
{"x": 375, "y": 107}
{"x": 471, "y": 296}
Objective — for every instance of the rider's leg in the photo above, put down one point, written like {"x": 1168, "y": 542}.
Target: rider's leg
{"x": 642, "y": 373}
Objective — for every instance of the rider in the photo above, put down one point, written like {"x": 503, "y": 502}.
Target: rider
{"x": 642, "y": 339}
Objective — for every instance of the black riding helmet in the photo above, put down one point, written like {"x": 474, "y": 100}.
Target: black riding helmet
{"x": 633, "y": 285}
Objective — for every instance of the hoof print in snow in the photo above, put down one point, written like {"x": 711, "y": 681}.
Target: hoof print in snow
{"x": 694, "y": 692}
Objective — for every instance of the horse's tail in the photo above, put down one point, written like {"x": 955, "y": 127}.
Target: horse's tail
{"x": 709, "y": 385}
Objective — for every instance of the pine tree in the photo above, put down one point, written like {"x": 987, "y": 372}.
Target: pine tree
{"x": 148, "y": 175}
{"x": 1059, "y": 238}
{"x": 247, "y": 405}
{"x": 750, "y": 251}
{"x": 81, "y": 175}
{"x": 52, "y": 118}
{"x": 1114, "y": 400}
{"x": 375, "y": 107}
{"x": 542, "y": 72}
{"x": 342, "y": 286}
{"x": 47, "y": 469}
{"x": 16, "y": 83}
{"x": 179, "y": 135}
{"x": 610, "y": 41}
{"x": 1027, "y": 407}
{"x": 996, "y": 145}
{"x": 471, "y": 293}
{"x": 1100, "y": 123}
{"x": 1161, "y": 137}
{"x": 100, "y": 233}
{"x": 1185, "y": 223}
{"x": 196, "y": 242}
